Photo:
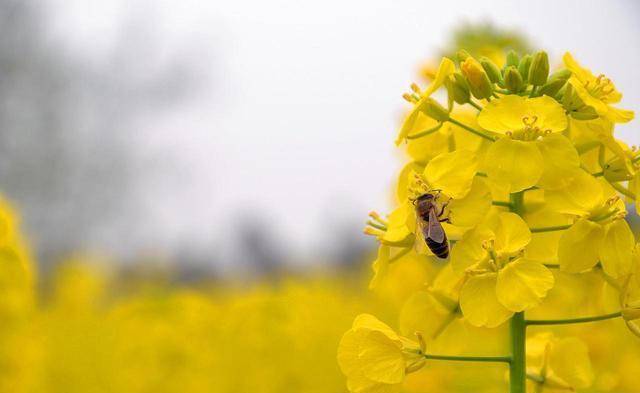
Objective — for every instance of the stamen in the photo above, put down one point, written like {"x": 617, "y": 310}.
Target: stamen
{"x": 423, "y": 345}
{"x": 408, "y": 98}
{"x": 611, "y": 201}
{"x": 416, "y": 89}
{"x": 373, "y": 232}
{"x": 378, "y": 218}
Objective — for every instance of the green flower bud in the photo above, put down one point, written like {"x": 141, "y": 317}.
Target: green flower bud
{"x": 551, "y": 88}
{"x": 539, "y": 69}
{"x": 523, "y": 67}
{"x": 458, "y": 88}
{"x": 491, "y": 69}
{"x": 617, "y": 170}
{"x": 434, "y": 110}
{"x": 479, "y": 82}
{"x": 462, "y": 55}
{"x": 556, "y": 81}
{"x": 513, "y": 80}
{"x": 512, "y": 59}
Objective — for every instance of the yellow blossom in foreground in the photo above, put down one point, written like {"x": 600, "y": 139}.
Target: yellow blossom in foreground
{"x": 374, "y": 358}
{"x": 599, "y": 233}
{"x": 500, "y": 280}
{"x": 531, "y": 151}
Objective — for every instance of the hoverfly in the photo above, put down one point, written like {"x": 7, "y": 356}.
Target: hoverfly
{"x": 429, "y": 223}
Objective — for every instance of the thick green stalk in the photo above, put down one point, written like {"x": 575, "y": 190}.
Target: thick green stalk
{"x": 518, "y": 366}
{"x": 518, "y": 328}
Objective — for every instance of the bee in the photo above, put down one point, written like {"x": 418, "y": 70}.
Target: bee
{"x": 429, "y": 222}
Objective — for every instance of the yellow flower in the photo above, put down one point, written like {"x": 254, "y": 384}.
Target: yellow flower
{"x": 561, "y": 364}
{"x": 501, "y": 280}
{"x": 532, "y": 150}
{"x": 374, "y": 358}
{"x": 446, "y": 68}
{"x": 597, "y": 92}
{"x": 599, "y": 233}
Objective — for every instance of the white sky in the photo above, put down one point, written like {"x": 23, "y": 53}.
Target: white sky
{"x": 299, "y": 119}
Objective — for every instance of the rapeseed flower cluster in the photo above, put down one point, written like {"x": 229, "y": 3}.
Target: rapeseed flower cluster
{"x": 520, "y": 168}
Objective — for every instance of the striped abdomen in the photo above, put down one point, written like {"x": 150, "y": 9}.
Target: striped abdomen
{"x": 441, "y": 250}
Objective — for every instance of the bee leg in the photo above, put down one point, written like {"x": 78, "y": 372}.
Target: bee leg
{"x": 447, "y": 220}
{"x": 444, "y": 206}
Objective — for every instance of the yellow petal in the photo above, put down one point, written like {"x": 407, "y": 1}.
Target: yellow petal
{"x": 471, "y": 209}
{"x": 425, "y": 314}
{"x": 514, "y": 164}
{"x": 579, "y": 246}
{"x": 446, "y": 68}
{"x": 380, "y": 266}
{"x": 468, "y": 251}
{"x": 583, "y": 194}
{"x": 512, "y": 233}
{"x": 569, "y": 360}
{"x": 509, "y": 113}
{"x": 405, "y": 178}
{"x": 348, "y": 350}
{"x": 523, "y": 284}
{"x": 381, "y": 358}
{"x": 583, "y": 74}
{"x": 504, "y": 114}
{"x": 620, "y": 115}
{"x": 616, "y": 253}
{"x": 452, "y": 173}
{"x": 479, "y": 302}
{"x": 371, "y": 323}
{"x": 561, "y": 162}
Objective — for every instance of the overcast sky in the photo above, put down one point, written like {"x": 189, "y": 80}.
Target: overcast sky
{"x": 297, "y": 120}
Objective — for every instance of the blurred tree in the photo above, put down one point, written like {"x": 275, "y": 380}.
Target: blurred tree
{"x": 65, "y": 155}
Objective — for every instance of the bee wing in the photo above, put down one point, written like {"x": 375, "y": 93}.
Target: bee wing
{"x": 435, "y": 231}
{"x": 420, "y": 244}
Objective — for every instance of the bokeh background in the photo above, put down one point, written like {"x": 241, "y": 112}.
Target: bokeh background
{"x": 189, "y": 178}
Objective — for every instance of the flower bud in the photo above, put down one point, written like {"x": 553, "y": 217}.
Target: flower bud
{"x": 434, "y": 110}
{"x": 512, "y": 59}
{"x": 556, "y": 81}
{"x": 462, "y": 55}
{"x": 513, "y": 80}
{"x": 491, "y": 69}
{"x": 539, "y": 69}
{"x": 479, "y": 82}
{"x": 523, "y": 67}
{"x": 458, "y": 88}
{"x": 617, "y": 170}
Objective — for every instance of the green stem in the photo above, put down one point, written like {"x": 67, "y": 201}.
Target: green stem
{"x": 518, "y": 327}
{"x": 497, "y": 359}
{"x": 550, "y": 229}
{"x": 502, "y": 203}
{"x": 473, "y": 104}
{"x": 518, "y": 366}
{"x": 471, "y": 130}
{"x": 425, "y": 132}
{"x": 572, "y": 320}
{"x": 621, "y": 189}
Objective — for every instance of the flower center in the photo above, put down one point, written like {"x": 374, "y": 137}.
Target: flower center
{"x": 530, "y": 130}
{"x": 608, "y": 212}
{"x": 600, "y": 87}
